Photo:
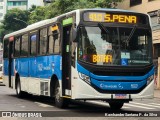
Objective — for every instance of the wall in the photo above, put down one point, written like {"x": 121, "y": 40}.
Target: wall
{"x": 145, "y": 7}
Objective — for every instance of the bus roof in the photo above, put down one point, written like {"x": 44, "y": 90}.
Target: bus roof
{"x": 37, "y": 24}
{"x": 52, "y": 20}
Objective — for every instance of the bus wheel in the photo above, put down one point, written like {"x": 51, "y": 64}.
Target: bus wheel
{"x": 20, "y": 94}
{"x": 116, "y": 105}
{"x": 59, "y": 101}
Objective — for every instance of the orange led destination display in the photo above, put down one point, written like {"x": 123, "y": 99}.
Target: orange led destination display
{"x": 102, "y": 58}
{"x": 113, "y": 18}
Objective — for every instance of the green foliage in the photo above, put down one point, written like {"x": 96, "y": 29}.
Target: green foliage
{"x": 12, "y": 21}
{"x": 37, "y": 14}
{"x": 58, "y": 7}
{"x": 16, "y": 19}
{"x": 106, "y": 3}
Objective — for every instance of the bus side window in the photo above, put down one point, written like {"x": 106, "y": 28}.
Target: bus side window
{"x": 24, "y": 45}
{"x": 43, "y": 41}
{"x": 33, "y": 44}
{"x": 51, "y": 42}
{"x": 6, "y": 48}
{"x": 17, "y": 46}
{"x": 54, "y": 39}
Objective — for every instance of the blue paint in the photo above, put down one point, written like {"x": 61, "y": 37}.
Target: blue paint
{"x": 109, "y": 85}
{"x": 82, "y": 70}
{"x": 5, "y": 66}
{"x": 124, "y": 62}
{"x": 37, "y": 67}
{"x": 115, "y": 82}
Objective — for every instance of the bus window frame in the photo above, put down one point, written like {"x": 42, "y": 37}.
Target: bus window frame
{"x": 38, "y": 52}
{"x": 33, "y": 32}
{"x": 21, "y": 45}
{"x": 60, "y": 39}
{"x": 20, "y": 36}
{"x": 5, "y": 57}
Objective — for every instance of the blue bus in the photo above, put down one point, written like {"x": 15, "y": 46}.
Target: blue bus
{"x": 86, "y": 54}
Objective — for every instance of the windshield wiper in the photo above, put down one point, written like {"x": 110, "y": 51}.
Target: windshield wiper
{"x": 101, "y": 26}
{"x": 131, "y": 34}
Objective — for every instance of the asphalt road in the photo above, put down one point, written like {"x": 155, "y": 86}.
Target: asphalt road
{"x": 44, "y": 106}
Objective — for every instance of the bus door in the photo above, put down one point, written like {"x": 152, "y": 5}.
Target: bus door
{"x": 10, "y": 61}
{"x": 66, "y": 59}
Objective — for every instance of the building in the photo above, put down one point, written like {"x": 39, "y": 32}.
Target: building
{"x": 152, "y": 7}
{"x": 35, "y": 2}
{"x": 23, "y": 4}
{"x": 2, "y": 9}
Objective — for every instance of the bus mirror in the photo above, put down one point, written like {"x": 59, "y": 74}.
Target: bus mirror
{"x": 74, "y": 35}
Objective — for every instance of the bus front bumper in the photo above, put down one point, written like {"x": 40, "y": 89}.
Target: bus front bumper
{"x": 86, "y": 92}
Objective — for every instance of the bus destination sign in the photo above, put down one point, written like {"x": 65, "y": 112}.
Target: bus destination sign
{"x": 113, "y": 18}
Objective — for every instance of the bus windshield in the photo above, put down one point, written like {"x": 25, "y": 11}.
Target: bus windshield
{"x": 103, "y": 45}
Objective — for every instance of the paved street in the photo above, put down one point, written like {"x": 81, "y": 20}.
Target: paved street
{"x": 9, "y": 102}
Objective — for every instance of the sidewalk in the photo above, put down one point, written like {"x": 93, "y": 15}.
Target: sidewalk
{"x": 157, "y": 93}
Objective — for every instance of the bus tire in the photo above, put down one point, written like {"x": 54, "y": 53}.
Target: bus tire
{"x": 60, "y": 102}
{"x": 116, "y": 105}
{"x": 19, "y": 92}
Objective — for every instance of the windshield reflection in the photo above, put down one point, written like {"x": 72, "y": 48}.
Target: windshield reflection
{"x": 115, "y": 46}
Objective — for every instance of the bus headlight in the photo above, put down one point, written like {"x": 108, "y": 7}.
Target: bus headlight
{"x": 85, "y": 78}
{"x": 150, "y": 79}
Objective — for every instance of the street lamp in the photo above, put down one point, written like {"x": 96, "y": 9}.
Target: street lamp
{"x": 21, "y": 21}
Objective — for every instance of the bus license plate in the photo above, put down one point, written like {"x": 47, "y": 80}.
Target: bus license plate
{"x": 120, "y": 96}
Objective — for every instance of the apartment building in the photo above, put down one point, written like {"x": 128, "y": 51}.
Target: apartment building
{"x": 2, "y": 9}
{"x": 23, "y": 4}
{"x": 35, "y": 2}
{"x": 151, "y": 7}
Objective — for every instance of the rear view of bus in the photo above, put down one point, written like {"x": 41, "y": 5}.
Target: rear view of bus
{"x": 115, "y": 56}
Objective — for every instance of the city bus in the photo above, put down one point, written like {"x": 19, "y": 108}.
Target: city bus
{"x": 85, "y": 54}
{"x": 1, "y": 64}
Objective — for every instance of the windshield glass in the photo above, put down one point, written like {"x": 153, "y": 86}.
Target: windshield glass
{"x": 115, "y": 45}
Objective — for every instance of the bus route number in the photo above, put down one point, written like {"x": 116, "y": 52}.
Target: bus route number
{"x": 120, "y": 18}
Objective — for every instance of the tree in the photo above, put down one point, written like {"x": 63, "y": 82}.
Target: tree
{"x": 58, "y": 7}
{"x": 37, "y": 14}
{"x": 106, "y": 3}
{"x": 14, "y": 20}
{"x": 2, "y": 32}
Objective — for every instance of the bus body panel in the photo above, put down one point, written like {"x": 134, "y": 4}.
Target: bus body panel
{"x": 5, "y": 66}
{"x": 85, "y": 91}
{"x": 38, "y": 67}
{"x": 36, "y": 71}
